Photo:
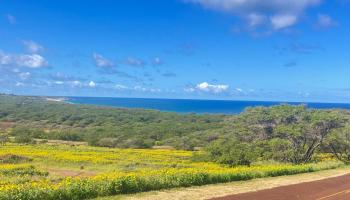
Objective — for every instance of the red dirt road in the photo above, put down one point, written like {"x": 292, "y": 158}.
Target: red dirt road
{"x": 337, "y": 188}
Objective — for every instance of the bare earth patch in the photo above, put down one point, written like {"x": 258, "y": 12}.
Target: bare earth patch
{"x": 220, "y": 190}
{"x": 6, "y": 125}
{"x": 70, "y": 173}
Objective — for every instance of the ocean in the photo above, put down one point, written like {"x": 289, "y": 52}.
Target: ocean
{"x": 192, "y": 106}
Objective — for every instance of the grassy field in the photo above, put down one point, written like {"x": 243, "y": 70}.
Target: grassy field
{"x": 225, "y": 189}
{"x": 29, "y": 172}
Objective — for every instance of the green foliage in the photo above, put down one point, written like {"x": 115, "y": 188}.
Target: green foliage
{"x": 282, "y": 133}
{"x": 129, "y": 128}
{"x": 13, "y": 159}
{"x": 24, "y": 170}
{"x": 339, "y": 144}
{"x": 3, "y": 138}
{"x": 26, "y": 135}
{"x": 24, "y": 139}
{"x": 233, "y": 152}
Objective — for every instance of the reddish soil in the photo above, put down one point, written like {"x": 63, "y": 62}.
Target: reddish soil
{"x": 337, "y": 188}
{"x": 6, "y": 125}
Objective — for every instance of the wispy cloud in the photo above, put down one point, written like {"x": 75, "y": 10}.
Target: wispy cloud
{"x": 101, "y": 61}
{"x": 304, "y": 48}
{"x": 169, "y": 74}
{"x": 137, "y": 88}
{"x": 104, "y": 65}
{"x": 11, "y": 19}
{"x": 76, "y": 84}
{"x": 291, "y": 63}
{"x": 283, "y": 21}
{"x": 298, "y": 48}
{"x": 121, "y": 87}
{"x": 136, "y": 62}
{"x": 59, "y": 76}
{"x": 239, "y": 89}
{"x": 31, "y": 61}
{"x": 325, "y": 21}
{"x": 32, "y": 47}
{"x": 144, "y": 89}
{"x": 157, "y": 61}
{"x": 23, "y": 60}
{"x": 278, "y": 14}
{"x": 24, "y": 75}
{"x": 5, "y": 59}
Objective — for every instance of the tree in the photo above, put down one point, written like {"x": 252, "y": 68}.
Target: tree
{"x": 307, "y": 135}
{"x": 108, "y": 142}
{"x": 232, "y": 152}
{"x": 338, "y": 143}
{"x": 283, "y": 133}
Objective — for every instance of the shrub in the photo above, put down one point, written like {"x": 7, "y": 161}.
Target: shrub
{"x": 232, "y": 152}
{"x": 24, "y": 139}
{"x": 13, "y": 159}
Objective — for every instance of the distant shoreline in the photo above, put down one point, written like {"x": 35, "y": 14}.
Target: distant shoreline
{"x": 192, "y": 106}
{"x": 60, "y": 99}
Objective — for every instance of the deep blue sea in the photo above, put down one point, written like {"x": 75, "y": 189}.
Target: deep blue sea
{"x": 191, "y": 106}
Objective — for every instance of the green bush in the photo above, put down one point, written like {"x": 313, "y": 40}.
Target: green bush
{"x": 233, "y": 152}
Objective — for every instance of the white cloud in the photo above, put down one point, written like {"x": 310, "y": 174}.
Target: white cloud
{"x": 76, "y": 84}
{"x": 282, "y": 13}
{"x": 121, "y": 87}
{"x": 16, "y": 70}
{"x": 239, "y": 89}
{"x": 92, "y": 84}
{"x": 32, "y": 47}
{"x": 283, "y": 21}
{"x": 31, "y": 61}
{"x": 11, "y": 19}
{"x": 206, "y": 87}
{"x": 19, "y": 84}
{"x": 157, "y": 61}
{"x": 5, "y": 59}
{"x": 189, "y": 89}
{"x": 255, "y": 20}
{"x": 58, "y": 82}
{"x": 155, "y": 90}
{"x": 143, "y": 89}
{"x": 23, "y": 60}
{"x": 325, "y": 21}
{"x": 100, "y": 61}
{"x": 139, "y": 88}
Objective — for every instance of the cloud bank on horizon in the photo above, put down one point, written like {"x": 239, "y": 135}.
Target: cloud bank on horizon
{"x": 177, "y": 49}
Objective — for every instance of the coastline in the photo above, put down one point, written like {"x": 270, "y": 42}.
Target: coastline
{"x": 191, "y": 105}
{"x": 58, "y": 99}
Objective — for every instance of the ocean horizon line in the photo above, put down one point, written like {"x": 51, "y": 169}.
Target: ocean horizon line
{"x": 200, "y": 106}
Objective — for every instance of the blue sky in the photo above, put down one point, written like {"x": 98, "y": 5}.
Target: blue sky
{"x": 285, "y": 50}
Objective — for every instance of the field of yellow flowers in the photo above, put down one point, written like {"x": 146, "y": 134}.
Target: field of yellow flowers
{"x": 62, "y": 172}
